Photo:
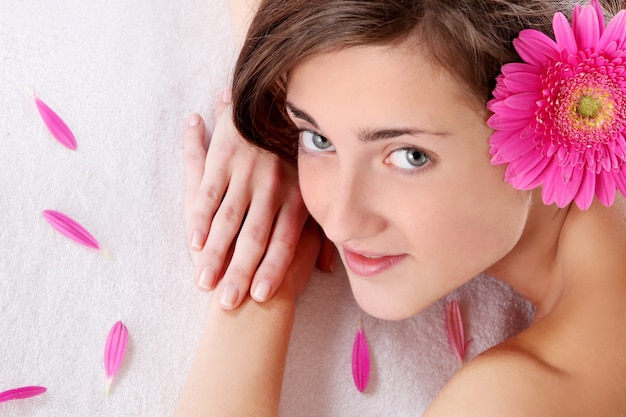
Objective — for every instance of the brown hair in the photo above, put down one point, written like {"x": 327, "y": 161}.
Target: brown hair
{"x": 471, "y": 39}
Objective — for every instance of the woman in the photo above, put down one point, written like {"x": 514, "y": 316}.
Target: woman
{"x": 402, "y": 145}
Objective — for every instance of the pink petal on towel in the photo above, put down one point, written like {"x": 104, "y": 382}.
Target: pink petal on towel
{"x": 21, "y": 393}
{"x": 114, "y": 351}
{"x": 360, "y": 360}
{"x": 455, "y": 331}
{"x": 70, "y": 228}
{"x": 55, "y": 125}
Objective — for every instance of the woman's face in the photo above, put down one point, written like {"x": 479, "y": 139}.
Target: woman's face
{"x": 394, "y": 165}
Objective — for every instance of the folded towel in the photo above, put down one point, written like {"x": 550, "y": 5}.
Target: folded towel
{"x": 124, "y": 76}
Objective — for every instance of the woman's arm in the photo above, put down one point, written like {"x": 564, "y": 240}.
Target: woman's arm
{"x": 238, "y": 369}
{"x": 239, "y": 364}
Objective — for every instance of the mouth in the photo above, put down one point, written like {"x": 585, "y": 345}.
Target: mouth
{"x": 367, "y": 264}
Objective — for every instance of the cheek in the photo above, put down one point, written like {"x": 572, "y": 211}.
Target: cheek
{"x": 313, "y": 187}
{"x": 492, "y": 217}
{"x": 479, "y": 218}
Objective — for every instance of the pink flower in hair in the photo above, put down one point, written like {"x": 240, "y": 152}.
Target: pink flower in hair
{"x": 560, "y": 116}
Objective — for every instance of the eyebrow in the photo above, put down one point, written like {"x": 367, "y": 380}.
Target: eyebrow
{"x": 366, "y": 135}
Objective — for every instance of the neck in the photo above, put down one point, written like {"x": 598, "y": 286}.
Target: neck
{"x": 532, "y": 266}
{"x": 563, "y": 253}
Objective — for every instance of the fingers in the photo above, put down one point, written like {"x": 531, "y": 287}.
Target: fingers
{"x": 243, "y": 211}
{"x": 212, "y": 185}
{"x": 194, "y": 159}
{"x": 250, "y": 249}
{"x": 266, "y": 242}
{"x": 225, "y": 226}
{"x": 286, "y": 233}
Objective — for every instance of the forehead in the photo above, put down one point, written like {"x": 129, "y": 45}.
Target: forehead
{"x": 398, "y": 80}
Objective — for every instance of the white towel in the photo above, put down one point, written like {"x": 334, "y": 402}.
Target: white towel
{"x": 124, "y": 75}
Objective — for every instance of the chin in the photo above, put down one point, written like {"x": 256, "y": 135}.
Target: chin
{"x": 384, "y": 308}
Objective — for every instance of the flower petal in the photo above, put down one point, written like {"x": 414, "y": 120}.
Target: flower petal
{"x": 615, "y": 32}
{"x": 114, "y": 351}
{"x": 523, "y": 101}
{"x": 597, "y": 8}
{"x": 70, "y": 228}
{"x": 605, "y": 188}
{"x": 512, "y": 149}
{"x": 585, "y": 194}
{"x": 510, "y": 121}
{"x": 563, "y": 33}
{"x": 551, "y": 177}
{"x": 55, "y": 125}
{"x": 534, "y": 47}
{"x": 521, "y": 82}
{"x": 455, "y": 330}
{"x": 360, "y": 361}
{"x": 527, "y": 172}
{"x": 21, "y": 393}
{"x": 586, "y": 29}
{"x": 566, "y": 189}
{"x": 620, "y": 180}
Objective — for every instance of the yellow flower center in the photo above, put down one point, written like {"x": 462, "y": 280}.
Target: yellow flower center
{"x": 589, "y": 107}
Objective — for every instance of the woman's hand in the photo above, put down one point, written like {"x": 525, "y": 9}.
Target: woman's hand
{"x": 240, "y": 348}
{"x": 243, "y": 210}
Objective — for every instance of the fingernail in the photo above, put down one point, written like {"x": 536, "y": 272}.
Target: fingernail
{"x": 227, "y": 95}
{"x": 229, "y": 295}
{"x": 194, "y": 120}
{"x": 197, "y": 240}
{"x": 206, "y": 278}
{"x": 261, "y": 290}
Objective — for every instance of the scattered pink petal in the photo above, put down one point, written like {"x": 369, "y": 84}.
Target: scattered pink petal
{"x": 360, "y": 360}
{"x": 21, "y": 393}
{"x": 55, "y": 125}
{"x": 71, "y": 228}
{"x": 455, "y": 331}
{"x": 114, "y": 351}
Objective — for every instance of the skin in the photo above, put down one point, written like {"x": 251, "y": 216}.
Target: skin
{"x": 249, "y": 204}
{"x": 229, "y": 226}
{"x": 446, "y": 215}
{"x": 443, "y": 222}
{"x": 244, "y": 211}
{"x": 569, "y": 263}
{"x": 449, "y": 219}
{"x": 224, "y": 377}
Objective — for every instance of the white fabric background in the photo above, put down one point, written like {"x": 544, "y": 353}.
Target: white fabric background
{"x": 125, "y": 75}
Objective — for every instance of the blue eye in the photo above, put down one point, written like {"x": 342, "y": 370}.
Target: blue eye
{"x": 311, "y": 141}
{"x": 408, "y": 158}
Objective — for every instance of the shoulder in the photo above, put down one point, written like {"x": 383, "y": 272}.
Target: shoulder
{"x": 510, "y": 381}
{"x": 502, "y": 381}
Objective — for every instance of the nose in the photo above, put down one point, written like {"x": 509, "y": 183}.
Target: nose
{"x": 353, "y": 212}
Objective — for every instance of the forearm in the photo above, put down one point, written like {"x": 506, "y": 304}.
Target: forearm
{"x": 238, "y": 369}
{"x": 241, "y": 13}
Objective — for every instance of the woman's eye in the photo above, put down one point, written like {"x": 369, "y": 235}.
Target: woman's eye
{"x": 313, "y": 142}
{"x": 409, "y": 158}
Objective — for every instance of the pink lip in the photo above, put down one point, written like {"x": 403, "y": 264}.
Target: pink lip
{"x": 366, "y": 266}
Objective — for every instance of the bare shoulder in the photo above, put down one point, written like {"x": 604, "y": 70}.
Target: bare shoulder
{"x": 510, "y": 381}
{"x": 571, "y": 361}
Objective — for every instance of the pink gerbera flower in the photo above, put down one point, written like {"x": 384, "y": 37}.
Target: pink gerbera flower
{"x": 560, "y": 116}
